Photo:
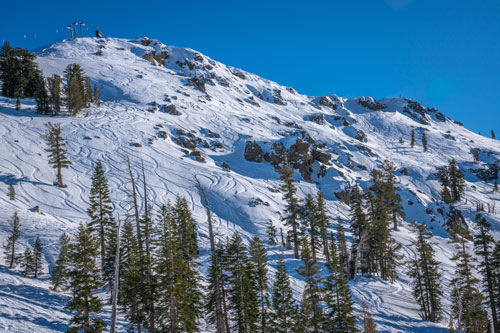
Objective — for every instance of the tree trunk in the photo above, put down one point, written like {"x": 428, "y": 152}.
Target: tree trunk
{"x": 489, "y": 279}
{"x": 136, "y": 207}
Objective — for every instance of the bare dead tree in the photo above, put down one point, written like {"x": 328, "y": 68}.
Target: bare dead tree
{"x": 221, "y": 323}
{"x": 116, "y": 278}
{"x": 136, "y": 207}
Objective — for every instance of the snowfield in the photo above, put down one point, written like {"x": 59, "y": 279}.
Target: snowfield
{"x": 359, "y": 133}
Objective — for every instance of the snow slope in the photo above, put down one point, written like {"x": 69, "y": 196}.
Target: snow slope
{"x": 236, "y": 107}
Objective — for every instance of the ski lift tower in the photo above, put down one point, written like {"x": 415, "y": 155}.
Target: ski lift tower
{"x": 70, "y": 28}
{"x": 81, "y": 29}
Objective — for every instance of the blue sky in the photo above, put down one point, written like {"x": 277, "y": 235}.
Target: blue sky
{"x": 442, "y": 53}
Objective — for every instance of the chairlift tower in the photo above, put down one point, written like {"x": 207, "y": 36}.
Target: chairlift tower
{"x": 81, "y": 29}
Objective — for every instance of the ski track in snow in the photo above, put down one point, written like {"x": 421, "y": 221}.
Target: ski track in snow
{"x": 108, "y": 132}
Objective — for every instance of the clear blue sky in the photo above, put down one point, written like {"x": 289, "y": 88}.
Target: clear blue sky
{"x": 442, "y": 53}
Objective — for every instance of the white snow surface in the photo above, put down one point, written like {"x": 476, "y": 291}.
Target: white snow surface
{"x": 239, "y": 106}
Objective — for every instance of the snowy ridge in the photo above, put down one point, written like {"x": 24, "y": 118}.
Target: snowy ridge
{"x": 221, "y": 108}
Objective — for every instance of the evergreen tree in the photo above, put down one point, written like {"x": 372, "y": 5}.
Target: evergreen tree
{"x": 97, "y": 95}
{"x": 11, "y": 194}
{"x": 100, "y": 211}
{"x": 311, "y": 312}
{"x": 493, "y": 135}
{"x": 243, "y": 303}
{"x": 283, "y": 304}
{"x": 337, "y": 296}
{"x": 412, "y": 143}
{"x": 322, "y": 222}
{"x": 42, "y": 97}
{"x": 89, "y": 96}
{"x": 466, "y": 298}
{"x": 309, "y": 217}
{"x": 292, "y": 209}
{"x": 217, "y": 288}
{"x": 13, "y": 81}
{"x": 258, "y": 258}
{"x": 57, "y": 150}
{"x": 54, "y": 91}
{"x": 483, "y": 246}
{"x": 28, "y": 262}
{"x": 392, "y": 198}
{"x": 131, "y": 294}
{"x": 37, "y": 258}
{"x": 344, "y": 262}
{"x": 59, "y": 272}
{"x": 424, "y": 270}
{"x": 271, "y": 233}
{"x": 169, "y": 269}
{"x": 75, "y": 88}
{"x": 359, "y": 228}
{"x": 457, "y": 182}
{"x": 495, "y": 268}
{"x": 495, "y": 186}
{"x": 424, "y": 140}
{"x": 11, "y": 255}
{"x": 84, "y": 278}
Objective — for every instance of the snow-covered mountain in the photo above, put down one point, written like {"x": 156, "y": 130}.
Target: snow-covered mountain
{"x": 185, "y": 114}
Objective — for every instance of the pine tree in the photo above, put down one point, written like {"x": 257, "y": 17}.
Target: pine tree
{"x": 291, "y": 213}
{"x": 284, "y": 308}
{"x": 495, "y": 268}
{"x": 309, "y": 216}
{"x": 84, "y": 278}
{"x": 54, "y": 91}
{"x": 11, "y": 255}
{"x": 466, "y": 298}
{"x": 359, "y": 228}
{"x": 344, "y": 262}
{"x": 59, "y": 272}
{"x": 11, "y": 193}
{"x": 57, "y": 150}
{"x": 89, "y": 96}
{"x": 13, "y": 81}
{"x": 412, "y": 143}
{"x": 169, "y": 269}
{"x": 493, "y": 135}
{"x": 97, "y": 95}
{"x": 495, "y": 186}
{"x": 131, "y": 294}
{"x": 367, "y": 319}
{"x": 243, "y": 303}
{"x": 424, "y": 270}
{"x": 178, "y": 278}
{"x": 42, "y": 97}
{"x": 271, "y": 233}
{"x": 392, "y": 198}
{"x": 457, "y": 182}
{"x": 100, "y": 211}
{"x": 337, "y": 296}
{"x": 258, "y": 258}
{"x": 424, "y": 141}
{"x": 483, "y": 246}
{"x": 28, "y": 262}
{"x": 216, "y": 306}
{"x": 323, "y": 222}
{"x": 311, "y": 312}
{"x": 37, "y": 258}
{"x": 75, "y": 88}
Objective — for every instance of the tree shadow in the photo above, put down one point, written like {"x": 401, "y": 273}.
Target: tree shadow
{"x": 10, "y": 179}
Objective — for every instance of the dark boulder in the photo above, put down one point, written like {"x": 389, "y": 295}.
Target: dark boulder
{"x": 253, "y": 152}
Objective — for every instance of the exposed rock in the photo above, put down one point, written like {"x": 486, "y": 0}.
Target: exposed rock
{"x": 239, "y": 74}
{"x": 361, "y": 136}
{"x": 171, "y": 109}
{"x": 253, "y": 152}
{"x": 318, "y": 119}
{"x": 321, "y": 156}
{"x": 326, "y": 101}
{"x": 225, "y": 166}
{"x": 199, "y": 83}
{"x": 370, "y": 103}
